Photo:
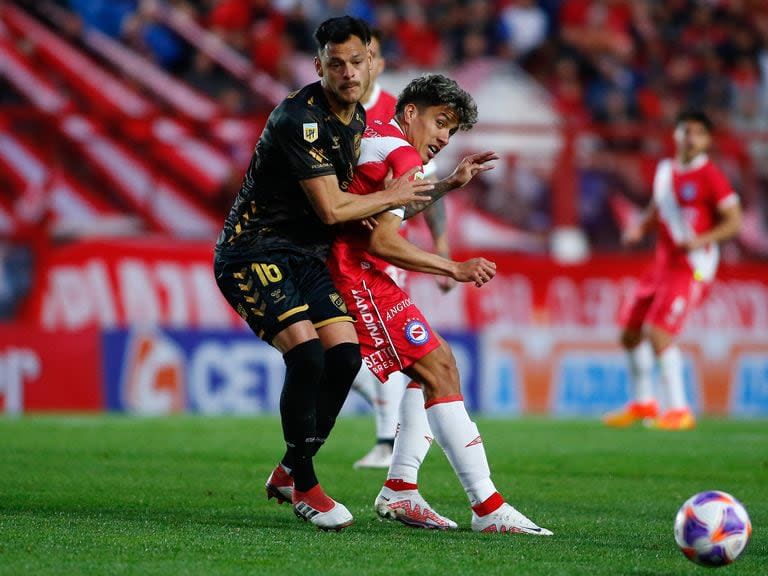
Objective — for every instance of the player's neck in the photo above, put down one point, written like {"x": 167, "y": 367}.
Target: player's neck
{"x": 344, "y": 111}
{"x": 371, "y": 95}
{"x": 693, "y": 162}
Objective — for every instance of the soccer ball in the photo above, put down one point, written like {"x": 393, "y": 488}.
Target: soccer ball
{"x": 712, "y": 528}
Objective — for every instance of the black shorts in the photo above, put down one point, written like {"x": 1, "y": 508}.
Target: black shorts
{"x": 279, "y": 289}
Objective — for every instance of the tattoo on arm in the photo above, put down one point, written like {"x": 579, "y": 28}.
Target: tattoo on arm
{"x": 441, "y": 188}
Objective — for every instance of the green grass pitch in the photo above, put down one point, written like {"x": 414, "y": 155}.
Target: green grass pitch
{"x": 184, "y": 495}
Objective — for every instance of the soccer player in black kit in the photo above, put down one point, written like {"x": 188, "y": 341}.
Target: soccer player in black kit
{"x": 270, "y": 257}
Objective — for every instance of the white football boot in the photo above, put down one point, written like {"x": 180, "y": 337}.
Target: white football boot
{"x": 321, "y": 510}
{"x": 410, "y": 508}
{"x": 507, "y": 520}
{"x": 380, "y": 456}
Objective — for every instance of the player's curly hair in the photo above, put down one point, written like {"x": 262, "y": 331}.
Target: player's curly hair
{"x": 338, "y": 30}
{"x": 438, "y": 90}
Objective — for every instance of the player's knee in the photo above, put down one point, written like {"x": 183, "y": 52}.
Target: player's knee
{"x": 631, "y": 338}
{"x": 307, "y": 360}
{"x": 443, "y": 378}
{"x": 343, "y": 361}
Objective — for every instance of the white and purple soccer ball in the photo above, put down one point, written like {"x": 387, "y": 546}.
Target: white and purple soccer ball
{"x": 712, "y": 528}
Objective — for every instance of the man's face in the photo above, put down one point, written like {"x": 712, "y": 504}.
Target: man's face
{"x": 377, "y": 61}
{"x": 344, "y": 69}
{"x": 429, "y": 129}
{"x": 691, "y": 139}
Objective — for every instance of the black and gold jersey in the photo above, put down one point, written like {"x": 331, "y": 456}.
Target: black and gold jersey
{"x": 302, "y": 139}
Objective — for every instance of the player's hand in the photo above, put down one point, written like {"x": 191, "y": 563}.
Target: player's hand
{"x": 472, "y": 165}
{"x": 445, "y": 284}
{"x": 477, "y": 270}
{"x": 403, "y": 190}
{"x": 693, "y": 243}
{"x": 370, "y": 223}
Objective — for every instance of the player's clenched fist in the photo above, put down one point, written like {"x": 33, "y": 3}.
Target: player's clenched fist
{"x": 477, "y": 270}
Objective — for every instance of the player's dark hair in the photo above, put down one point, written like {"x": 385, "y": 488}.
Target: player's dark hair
{"x": 438, "y": 90}
{"x": 695, "y": 116}
{"x": 376, "y": 33}
{"x": 339, "y": 30}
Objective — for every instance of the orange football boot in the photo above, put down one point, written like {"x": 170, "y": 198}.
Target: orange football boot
{"x": 631, "y": 413}
{"x": 680, "y": 419}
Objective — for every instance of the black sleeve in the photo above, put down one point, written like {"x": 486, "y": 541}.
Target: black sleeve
{"x": 305, "y": 142}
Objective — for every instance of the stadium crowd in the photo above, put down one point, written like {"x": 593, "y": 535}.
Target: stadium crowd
{"x": 603, "y": 60}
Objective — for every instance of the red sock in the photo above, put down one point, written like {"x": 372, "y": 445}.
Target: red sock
{"x": 398, "y": 485}
{"x": 315, "y": 497}
{"x": 490, "y": 505}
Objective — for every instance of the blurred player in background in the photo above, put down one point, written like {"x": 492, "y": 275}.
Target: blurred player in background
{"x": 270, "y": 257}
{"x": 393, "y": 333}
{"x": 693, "y": 208}
{"x": 384, "y": 397}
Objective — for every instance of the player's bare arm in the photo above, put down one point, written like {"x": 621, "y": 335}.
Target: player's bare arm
{"x": 334, "y": 206}
{"x": 387, "y": 244}
{"x": 639, "y": 229}
{"x": 726, "y": 228}
{"x": 436, "y": 219}
{"x": 469, "y": 167}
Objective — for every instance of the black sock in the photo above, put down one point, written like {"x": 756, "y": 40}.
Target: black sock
{"x": 342, "y": 363}
{"x": 304, "y": 367}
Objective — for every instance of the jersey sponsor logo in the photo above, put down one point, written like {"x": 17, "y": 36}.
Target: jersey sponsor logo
{"x": 338, "y": 301}
{"x": 368, "y": 319}
{"x": 416, "y": 332}
{"x": 310, "y": 131}
{"x": 381, "y": 360}
{"x": 688, "y": 192}
{"x": 397, "y": 308}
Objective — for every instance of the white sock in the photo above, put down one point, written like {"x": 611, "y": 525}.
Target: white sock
{"x": 387, "y": 403}
{"x": 671, "y": 364}
{"x": 365, "y": 385}
{"x": 460, "y": 440}
{"x": 414, "y": 437}
{"x": 641, "y": 362}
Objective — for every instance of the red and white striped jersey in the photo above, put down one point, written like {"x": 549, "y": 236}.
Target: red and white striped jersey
{"x": 381, "y": 106}
{"x": 688, "y": 199}
{"x": 383, "y": 151}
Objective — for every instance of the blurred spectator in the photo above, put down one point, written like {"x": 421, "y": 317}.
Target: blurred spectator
{"x": 527, "y": 25}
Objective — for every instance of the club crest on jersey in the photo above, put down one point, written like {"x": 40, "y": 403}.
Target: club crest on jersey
{"x": 338, "y": 301}
{"x": 310, "y": 131}
{"x": 417, "y": 332}
{"x": 689, "y": 191}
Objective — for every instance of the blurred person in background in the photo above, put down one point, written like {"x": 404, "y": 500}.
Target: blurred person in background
{"x": 693, "y": 208}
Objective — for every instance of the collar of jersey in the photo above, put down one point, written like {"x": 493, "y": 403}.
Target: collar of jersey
{"x": 695, "y": 163}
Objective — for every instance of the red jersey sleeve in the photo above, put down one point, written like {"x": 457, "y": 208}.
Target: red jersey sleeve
{"x": 402, "y": 159}
{"x": 720, "y": 187}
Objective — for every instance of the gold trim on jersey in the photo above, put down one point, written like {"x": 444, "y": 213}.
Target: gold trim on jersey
{"x": 333, "y": 321}
{"x": 292, "y": 311}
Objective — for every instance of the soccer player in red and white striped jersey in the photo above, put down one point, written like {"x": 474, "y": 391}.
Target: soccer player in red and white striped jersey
{"x": 394, "y": 335}
{"x": 384, "y": 397}
{"x": 693, "y": 208}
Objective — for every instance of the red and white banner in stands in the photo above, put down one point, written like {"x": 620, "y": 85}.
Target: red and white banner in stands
{"x": 128, "y": 283}
{"x": 121, "y": 283}
{"x": 49, "y": 371}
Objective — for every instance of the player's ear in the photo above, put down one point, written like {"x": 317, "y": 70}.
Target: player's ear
{"x": 410, "y": 111}
{"x": 318, "y": 67}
